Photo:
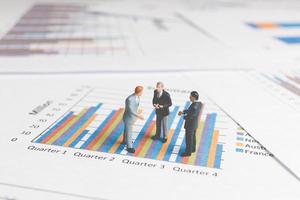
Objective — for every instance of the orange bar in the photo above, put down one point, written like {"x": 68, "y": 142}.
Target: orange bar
{"x": 165, "y": 146}
{"x": 239, "y": 144}
{"x": 78, "y": 132}
{"x": 213, "y": 149}
{"x": 266, "y": 25}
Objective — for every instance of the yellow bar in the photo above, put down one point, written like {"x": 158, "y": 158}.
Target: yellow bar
{"x": 61, "y": 132}
{"x": 147, "y": 144}
{"x": 213, "y": 149}
{"x": 192, "y": 158}
{"x": 78, "y": 132}
{"x": 165, "y": 146}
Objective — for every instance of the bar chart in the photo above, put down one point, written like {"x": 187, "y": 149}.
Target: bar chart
{"x": 290, "y": 82}
{"x": 272, "y": 25}
{"x": 69, "y": 29}
{"x": 282, "y": 85}
{"x": 98, "y": 126}
{"x": 289, "y": 26}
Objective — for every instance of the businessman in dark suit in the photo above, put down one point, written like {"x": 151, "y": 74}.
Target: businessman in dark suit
{"x": 191, "y": 116}
{"x": 161, "y": 102}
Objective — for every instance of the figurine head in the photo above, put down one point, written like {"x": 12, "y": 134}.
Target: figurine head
{"x": 138, "y": 90}
{"x": 194, "y": 96}
{"x": 159, "y": 86}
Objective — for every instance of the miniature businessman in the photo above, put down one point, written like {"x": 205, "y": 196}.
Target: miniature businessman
{"x": 161, "y": 102}
{"x": 131, "y": 113}
{"x": 191, "y": 116}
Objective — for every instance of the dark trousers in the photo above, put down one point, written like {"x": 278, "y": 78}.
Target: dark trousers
{"x": 190, "y": 140}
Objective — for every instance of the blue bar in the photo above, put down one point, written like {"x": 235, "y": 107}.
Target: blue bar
{"x": 102, "y": 125}
{"x": 239, "y": 150}
{"x": 204, "y": 134}
{"x": 158, "y": 144}
{"x": 66, "y": 135}
{"x": 112, "y": 139}
{"x": 240, "y": 138}
{"x": 290, "y": 39}
{"x": 172, "y": 117}
{"x": 218, "y": 157}
{"x": 75, "y": 127}
{"x": 175, "y": 136}
{"x": 143, "y": 131}
{"x": 207, "y": 142}
{"x": 252, "y": 25}
{"x": 75, "y": 142}
{"x": 120, "y": 148}
{"x": 42, "y": 137}
{"x": 289, "y": 25}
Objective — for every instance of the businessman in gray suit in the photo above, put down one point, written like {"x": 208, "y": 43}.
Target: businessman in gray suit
{"x": 131, "y": 114}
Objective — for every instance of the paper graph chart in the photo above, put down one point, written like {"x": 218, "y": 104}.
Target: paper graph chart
{"x": 69, "y": 29}
{"x": 98, "y": 126}
{"x": 271, "y": 26}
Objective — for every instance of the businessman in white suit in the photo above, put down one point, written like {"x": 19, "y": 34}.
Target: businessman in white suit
{"x": 131, "y": 113}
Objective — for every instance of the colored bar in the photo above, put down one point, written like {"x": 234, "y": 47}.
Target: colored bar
{"x": 68, "y": 133}
{"x": 213, "y": 149}
{"x": 207, "y": 142}
{"x": 164, "y": 148}
{"x": 199, "y": 131}
{"x": 287, "y": 86}
{"x": 270, "y": 25}
{"x": 112, "y": 138}
{"x": 78, "y": 139}
{"x": 239, "y": 150}
{"x": 218, "y": 156}
{"x": 102, "y": 125}
{"x": 263, "y": 25}
{"x": 289, "y": 39}
{"x": 203, "y": 139}
{"x": 145, "y": 140}
{"x": 294, "y": 79}
{"x": 106, "y": 130}
{"x": 290, "y": 25}
{"x": 67, "y": 138}
{"x": 105, "y": 135}
{"x": 239, "y": 144}
{"x": 49, "y": 137}
{"x": 65, "y": 128}
{"x": 78, "y": 132}
{"x": 157, "y": 145}
{"x": 57, "y": 125}
{"x": 144, "y": 129}
{"x": 240, "y": 138}
{"x": 117, "y": 147}
{"x": 240, "y": 133}
{"x": 176, "y": 135}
